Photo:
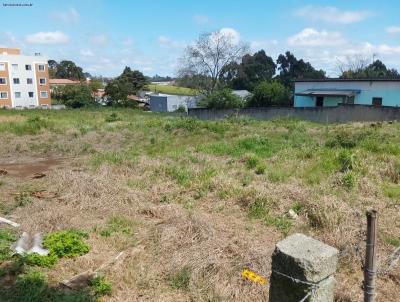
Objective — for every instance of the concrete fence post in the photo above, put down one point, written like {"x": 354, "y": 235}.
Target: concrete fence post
{"x": 302, "y": 270}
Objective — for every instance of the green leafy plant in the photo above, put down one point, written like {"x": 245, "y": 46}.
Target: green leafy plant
{"x": 100, "y": 286}
{"x": 42, "y": 261}
{"x": 258, "y": 209}
{"x": 7, "y": 237}
{"x": 66, "y": 243}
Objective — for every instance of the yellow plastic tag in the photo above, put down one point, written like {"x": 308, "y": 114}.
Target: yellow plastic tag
{"x": 252, "y": 276}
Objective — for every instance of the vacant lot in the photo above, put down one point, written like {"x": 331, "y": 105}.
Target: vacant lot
{"x": 191, "y": 203}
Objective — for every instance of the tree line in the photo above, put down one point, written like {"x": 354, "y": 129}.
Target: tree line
{"x": 216, "y": 64}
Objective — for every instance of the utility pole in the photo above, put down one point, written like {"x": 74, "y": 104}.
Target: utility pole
{"x": 370, "y": 258}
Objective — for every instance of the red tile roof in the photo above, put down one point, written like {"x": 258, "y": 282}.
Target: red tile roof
{"x": 62, "y": 82}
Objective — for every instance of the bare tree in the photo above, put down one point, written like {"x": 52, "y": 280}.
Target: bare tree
{"x": 353, "y": 65}
{"x": 205, "y": 60}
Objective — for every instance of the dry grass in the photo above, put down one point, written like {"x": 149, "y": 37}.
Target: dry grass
{"x": 187, "y": 193}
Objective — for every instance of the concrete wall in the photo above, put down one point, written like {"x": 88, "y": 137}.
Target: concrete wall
{"x": 388, "y": 91}
{"x": 339, "y": 114}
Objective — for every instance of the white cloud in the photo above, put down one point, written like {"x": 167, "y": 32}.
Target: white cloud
{"x": 232, "y": 33}
{"x": 127, "y": 42}
{"x": 69, "y": 16}
{"x": 201, "y": 19}
{"x": 332, "y": 14}
{"x": 166, "y": 42}
{"x": 99, "y": 39}
{"x": 310, "y": 37}
{"x": 55, "y": 37}
{"x": 393, "y": 29}
{"x": 263, "y": 44}
{"x": 86, "y": 53}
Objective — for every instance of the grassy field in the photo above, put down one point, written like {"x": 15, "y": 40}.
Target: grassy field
{"x": 169, "y": 89}
{"x": 189, "y": 202}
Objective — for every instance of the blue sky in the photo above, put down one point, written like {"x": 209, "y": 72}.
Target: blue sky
{"x": 103, "y": 36}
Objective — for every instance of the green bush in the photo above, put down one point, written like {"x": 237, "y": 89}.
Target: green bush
{"x": 66, "y": 243}
{"x": 268, "y": 94}
{"x": 100, "y": 286}
{"x": 251, "y": 161}
{"x": 222, "y": 99}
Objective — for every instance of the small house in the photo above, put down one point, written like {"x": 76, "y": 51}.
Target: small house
{"x": 333, "y": 92}
{"x": 170, "y": 103}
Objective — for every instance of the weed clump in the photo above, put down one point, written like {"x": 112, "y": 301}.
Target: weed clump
{"x": 347, "y": 160}
{"x": 42, "y": 261}
{"x": 113, "y": 117}
{"x": 117, "y": 225}
{"x": 7, "y": 237}
{"x": 100, "y": 286}
{"x": 66, "y": 243}
{"x": 181, "y": 279}
{"x": 349, "y": 180}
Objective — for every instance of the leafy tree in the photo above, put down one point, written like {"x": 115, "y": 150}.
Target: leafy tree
{"x": 75, "y": 96}
{"x": 269, "y": 94}
{"x": 207, "y": 58}
{"x": 52, "y": 68}
{"x": 252, "y": 70}
{"x": 222, "y": 99}
{"x": 128, "y": 83}
{"x": 68, "y": 70}
{"x": 358, "y": 67}
{"x": 95, "y": 85}
{"x": 290, "y": 69}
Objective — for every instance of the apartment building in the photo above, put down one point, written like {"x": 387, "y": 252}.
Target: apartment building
{"x": 24, "y": 80}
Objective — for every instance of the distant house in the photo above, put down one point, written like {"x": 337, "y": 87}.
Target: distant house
{"x": 170, "y": 103}
{"x": 241, "y": 93}
{"x": 332, "y": 92}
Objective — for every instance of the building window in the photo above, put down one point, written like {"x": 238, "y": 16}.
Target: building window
{"x": 3, "y": 81}
{"x": 4, "y": 95}
{"x": 377, "y": 102}
{"x": 14, "y": 67}
{"x": 42, "y": 81}
{"x": 41, "y": 67}
{"x": 28, "y": 67}
{"x": 2, "y": 66}
{"x": 43, "y": 94}
{"x": 16, "y": 81}
{"x": 29, "y": 81}
{"x": 319, "y": 101}
{"x": 30, "y": 94}
{"x": 17, "y": 95}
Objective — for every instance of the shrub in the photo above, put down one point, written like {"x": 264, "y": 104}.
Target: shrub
{"x": 181, "y": 109}
{"x": 100, "y": 286}
{"x": 181, "y": 279}
{"x": 222, "y": 99}
{"x": 66, "y": 243}
{"x": 260, "y": 168}
{"x": 75, "y": 96}
{"x": 269, "y": 94}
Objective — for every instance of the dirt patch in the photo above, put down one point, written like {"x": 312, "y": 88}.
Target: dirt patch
{"x": 30, "y": 169}
{"x": 12, "y": 118}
